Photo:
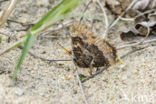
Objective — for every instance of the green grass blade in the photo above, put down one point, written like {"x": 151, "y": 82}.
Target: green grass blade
{"x": 49, "y": 19}
{"x": 0, "y": 39}
{"x": 63, "y": 8}
{"x": 18, "y": 43}
{"x": 55, "y": 14}
{"x": 27, "y": 45}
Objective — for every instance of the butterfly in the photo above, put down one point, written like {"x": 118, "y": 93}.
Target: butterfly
{"x": 88, "y": 50}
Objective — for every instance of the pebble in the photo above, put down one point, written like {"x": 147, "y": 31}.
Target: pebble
{"x": 19, "y": 92}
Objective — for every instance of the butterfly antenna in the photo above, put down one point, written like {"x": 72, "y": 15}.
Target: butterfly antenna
{"x": 65, "y": 49}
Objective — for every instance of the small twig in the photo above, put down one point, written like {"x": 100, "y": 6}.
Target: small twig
{"x": 86, "y": 9}
{"x": 66, "y": 23}
{"x": 51, "y": 37}
{"x": 80, "y": 84}
{"x": 27, "y": 25}
{"x": 127, "y": 19}
{"x": 93, "y": 75}
{"x": 130, "y": 52}
{"x": 45, "y": 59}
{"x": 46, "y": 33}
{"x": 106, "y": 19}
{"x": 23, "y": 24}
{"x": 146, "y": 12}
{"x": 92, "y": 25}
{"x": 5, "y": 34}
{"x": 5, "y": 14}
{"x": 137, "y": 43}
{"x": 4, "y": 71}
{"x": 148, "y": 32}
{"x": 60, "y": 26}
{"x": 3, "y": 0}
{"x": 123, "y": 13}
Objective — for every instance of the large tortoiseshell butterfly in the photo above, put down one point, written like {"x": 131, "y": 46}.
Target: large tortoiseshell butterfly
{"x": 89, "y": 50}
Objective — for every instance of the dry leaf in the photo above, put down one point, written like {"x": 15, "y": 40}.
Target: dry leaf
{"x": 140, "y": 29}
{"x": 143, "y": 5}
{"x": 118, "y": 6}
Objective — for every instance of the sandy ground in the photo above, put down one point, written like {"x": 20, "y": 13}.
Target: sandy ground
{"x": 55, "y": 83}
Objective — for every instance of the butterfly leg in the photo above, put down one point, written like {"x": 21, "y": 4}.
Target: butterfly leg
{"x": 90, "y": 70}
{"x": 97, "y": 69}
{"x": 120, "y": 60}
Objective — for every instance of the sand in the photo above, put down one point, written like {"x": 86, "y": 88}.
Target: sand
{"x": 55, "y": 82}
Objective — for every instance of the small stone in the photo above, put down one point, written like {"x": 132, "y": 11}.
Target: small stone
{"x": 74, "y": 91}
{"x": 19, "y": 92}
{"x": 67, "y": 77}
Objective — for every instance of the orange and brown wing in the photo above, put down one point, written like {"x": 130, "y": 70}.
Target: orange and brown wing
{"x": 108, "y": 50}
{"x": 86, "y": 52}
